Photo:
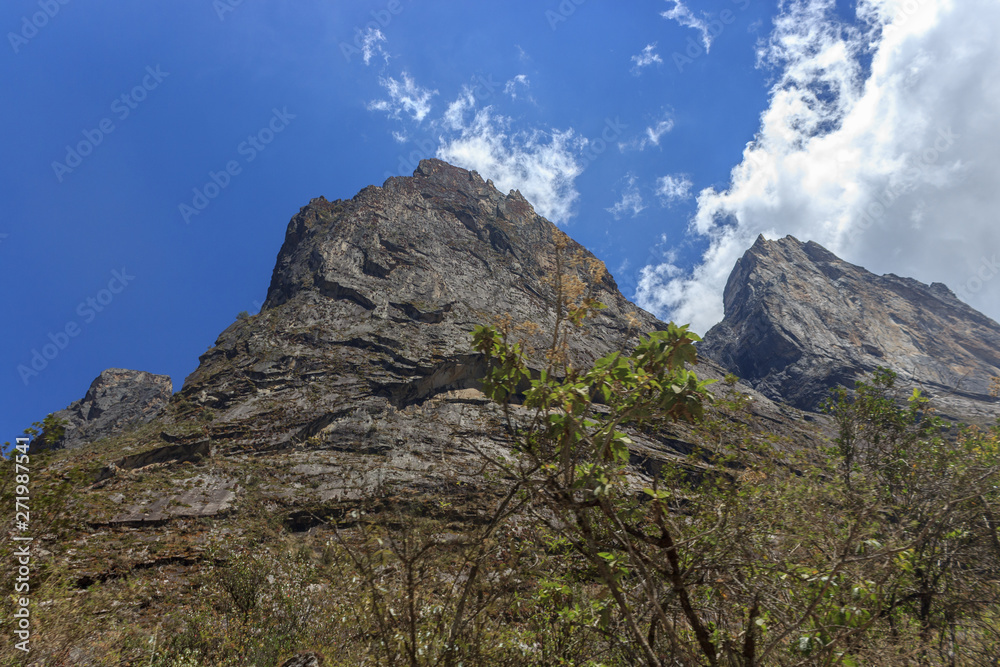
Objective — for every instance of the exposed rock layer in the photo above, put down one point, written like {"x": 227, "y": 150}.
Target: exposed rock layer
{"x": 799, "y": 320}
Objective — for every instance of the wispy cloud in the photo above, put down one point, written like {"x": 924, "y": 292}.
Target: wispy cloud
{"x": 404, "y": 96}
{"x": 673, "y": 187}
{"x": 371, "y": 45}
{"x": 510, "y": 88}
{"x": 631, "y": 201}
{"x": 646, "y": 58}
{"x": 874, "y": 130}
{"x": 651, "y": 137}
{"x": 684, "y": 16}
{"x": 654, "y": 132}
{"x": 541, "y": 165}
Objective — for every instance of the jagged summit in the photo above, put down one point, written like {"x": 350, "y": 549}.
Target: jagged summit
{"x": 358, "y": 372}
{"x": 799, "y": 320}
{"x": 411, "y": 267}
{"x": 418, "y": 247}
{"x": 118, "y": 398}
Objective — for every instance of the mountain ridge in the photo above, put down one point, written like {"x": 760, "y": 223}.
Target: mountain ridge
{"x": 351, "y": 408}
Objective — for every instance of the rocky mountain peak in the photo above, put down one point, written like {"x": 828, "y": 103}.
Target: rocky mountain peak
{"x": 368, "y": 236}
{"x": 363, "y": 343}
{"x": 800, "y": 320}
{"x": 118, "y": 398}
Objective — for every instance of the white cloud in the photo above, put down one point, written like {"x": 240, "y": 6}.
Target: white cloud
{"x": 454, "y": 115}
{"x": 654, "y": 132}
{"x": 541, "y": 165}
{"x": 651, "y": 137}
{"x": 646, "y": 58}
{"x": 406, "y": 96}
{"x": 631, "y": 201}
{"x": 684, "y": 16}
{"x": 510, "y": 88}
{"x": 370, "y": 45}
{"x": 892, "y": 165}
{"x": 672, "y": 188}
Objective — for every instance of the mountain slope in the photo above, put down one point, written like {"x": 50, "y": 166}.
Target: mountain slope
{"x": 358, "y": 376}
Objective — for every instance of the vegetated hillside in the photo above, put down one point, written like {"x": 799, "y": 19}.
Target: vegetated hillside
{"x": 345, "y": 472}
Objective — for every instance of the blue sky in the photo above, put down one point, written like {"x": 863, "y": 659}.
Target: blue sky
{"x": 154, "y": 152}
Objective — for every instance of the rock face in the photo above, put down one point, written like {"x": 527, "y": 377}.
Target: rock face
{"x": 117, "y": 398}
{"x": 799, "y": 320}
{"x": 360, "y": 358}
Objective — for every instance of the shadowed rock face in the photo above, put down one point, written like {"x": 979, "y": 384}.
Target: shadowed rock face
{"x": 799, "y": 320}
{"x": 117, "y": 399}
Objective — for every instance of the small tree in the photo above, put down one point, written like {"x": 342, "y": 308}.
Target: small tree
{"x": 935, "y": 487}
{"x": 740, "y": 556}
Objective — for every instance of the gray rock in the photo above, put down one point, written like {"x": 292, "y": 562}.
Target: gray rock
{"x": 169, "y": 454}
{"x": 799, "y": 320}
{"x": 202, "y": 496}
{"x": 117, "y": 399}
{"x": 304, "y": 660}
{"x": 370, "y": 308}
{"x": 362, "y": 356}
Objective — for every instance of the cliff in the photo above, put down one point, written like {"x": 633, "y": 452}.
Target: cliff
{"x": 799, "y": 320}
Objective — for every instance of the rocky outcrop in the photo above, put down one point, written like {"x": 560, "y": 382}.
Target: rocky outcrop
{"x": 117, "y": 399}
{"x": 169, "y": 454}
{"x": 799, "y": 320}
{"x": 361, "y": 357}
